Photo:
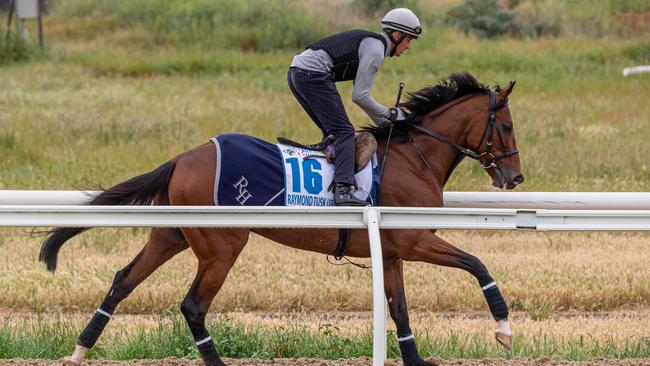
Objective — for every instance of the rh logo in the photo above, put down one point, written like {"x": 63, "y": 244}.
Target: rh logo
{"x": 244, "y": 194}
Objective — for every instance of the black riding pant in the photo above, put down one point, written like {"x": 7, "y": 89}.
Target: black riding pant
{"x": 318, "y": 95}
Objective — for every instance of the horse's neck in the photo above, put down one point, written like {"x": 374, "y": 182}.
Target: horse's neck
{"x": 423, "y": 185}
{"x": 441, "y": 156}
{"x": 451, "y": 121}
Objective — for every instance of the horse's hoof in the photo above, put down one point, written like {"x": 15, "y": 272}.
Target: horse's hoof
{"x": 504, "y": 339}
{"x": 67, "y": 361}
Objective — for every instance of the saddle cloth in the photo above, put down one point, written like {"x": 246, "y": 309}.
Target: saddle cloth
{"x": 253, "y": 172}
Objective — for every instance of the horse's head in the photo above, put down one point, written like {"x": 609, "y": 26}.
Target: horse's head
{"x": 493, "y": 134}
{"x": 467, "y": 119}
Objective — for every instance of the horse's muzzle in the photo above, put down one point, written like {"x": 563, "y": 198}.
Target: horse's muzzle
{"x": 503, "y": 180}
{"x": 514, "y": 182}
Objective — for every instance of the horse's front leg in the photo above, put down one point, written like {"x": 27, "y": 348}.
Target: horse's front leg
{"x": 426, "y": 246}
{"x": 394, "y": 288}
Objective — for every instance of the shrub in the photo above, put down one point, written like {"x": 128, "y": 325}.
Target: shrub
{"x": 482, "y": 17}
{"x": 15, "y": 49}
{"x": 488, "y": 19}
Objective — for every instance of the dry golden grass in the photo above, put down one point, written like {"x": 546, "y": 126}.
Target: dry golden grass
{"x": 537, "y": 272}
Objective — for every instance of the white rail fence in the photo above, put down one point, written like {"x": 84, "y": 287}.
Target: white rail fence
{"x": 641, "y": 69}
{"x": 472, "y": 210}
{"x": 517, "y": 200}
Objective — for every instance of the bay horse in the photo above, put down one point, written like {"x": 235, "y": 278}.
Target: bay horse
{"x": 456, "y": 118}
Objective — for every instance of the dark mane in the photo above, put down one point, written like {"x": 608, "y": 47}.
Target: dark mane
{"x": 427, "y": 99}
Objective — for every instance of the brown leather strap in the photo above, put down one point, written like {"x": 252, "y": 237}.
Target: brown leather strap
{"x": 342, "y": 246}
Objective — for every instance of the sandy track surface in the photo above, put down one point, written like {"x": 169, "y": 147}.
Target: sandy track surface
{"x": 350, "y": 362}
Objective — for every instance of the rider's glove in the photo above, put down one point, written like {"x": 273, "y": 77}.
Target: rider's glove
{"x": 396, "y": 115}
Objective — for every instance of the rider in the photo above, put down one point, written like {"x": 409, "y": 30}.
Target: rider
{"x": 351, "y": 55}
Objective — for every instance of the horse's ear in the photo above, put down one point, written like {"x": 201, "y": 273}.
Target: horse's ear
{"x": 508, "y": 89}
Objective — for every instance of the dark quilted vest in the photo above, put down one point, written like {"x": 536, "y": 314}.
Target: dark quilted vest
{"x": 343, "y": 49}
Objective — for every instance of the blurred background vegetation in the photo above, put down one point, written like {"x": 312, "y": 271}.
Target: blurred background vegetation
{"x": 271, "y": 25}
{"x": 171, "y": 73}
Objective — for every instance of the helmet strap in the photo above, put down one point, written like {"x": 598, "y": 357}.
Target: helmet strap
{"x": 395, "y": 42}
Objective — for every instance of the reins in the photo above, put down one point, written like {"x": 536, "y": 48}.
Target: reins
{"x": 390, "y": 133}
{"x": 486, "y": 159}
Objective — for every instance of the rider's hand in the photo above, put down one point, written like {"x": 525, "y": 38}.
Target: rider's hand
{"x": 382, "y": 122}
{"x": 396, "y": 115}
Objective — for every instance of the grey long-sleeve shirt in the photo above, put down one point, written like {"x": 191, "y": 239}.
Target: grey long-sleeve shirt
{"x": 371, "y": 57}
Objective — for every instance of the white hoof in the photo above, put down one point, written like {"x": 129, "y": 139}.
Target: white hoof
{"x": 504, "y": 339}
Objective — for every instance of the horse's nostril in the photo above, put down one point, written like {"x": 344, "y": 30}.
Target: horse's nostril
{"x": 518, "y": 179}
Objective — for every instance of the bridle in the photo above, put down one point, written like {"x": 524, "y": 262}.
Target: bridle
{"x": 486, "y": 159}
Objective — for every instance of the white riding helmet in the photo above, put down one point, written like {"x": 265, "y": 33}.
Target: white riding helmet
{"x": 403, "y": 20}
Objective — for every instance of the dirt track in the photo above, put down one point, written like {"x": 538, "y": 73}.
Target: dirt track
{"x": 352, "y": 362}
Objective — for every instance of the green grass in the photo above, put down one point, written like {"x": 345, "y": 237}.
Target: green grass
{"x": 170, "y": 338}
{"x": 580, "y": 125}
{"x": 246, "y": 25}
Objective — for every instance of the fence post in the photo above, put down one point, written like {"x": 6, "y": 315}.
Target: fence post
{"x": 371, "y": 218}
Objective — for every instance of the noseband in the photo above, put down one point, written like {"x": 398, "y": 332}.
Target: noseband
{"x": 486, "y": 158}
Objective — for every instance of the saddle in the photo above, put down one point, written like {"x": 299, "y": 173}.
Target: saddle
{"x": 365, "y": 145}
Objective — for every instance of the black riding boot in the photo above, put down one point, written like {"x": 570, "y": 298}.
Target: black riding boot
{"x": 343, "y": 196}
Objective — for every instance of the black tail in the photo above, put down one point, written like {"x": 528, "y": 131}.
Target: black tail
{"x": 137, "y": 191}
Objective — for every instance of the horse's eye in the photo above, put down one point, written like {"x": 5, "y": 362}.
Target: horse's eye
{"x": 507, "y": 127}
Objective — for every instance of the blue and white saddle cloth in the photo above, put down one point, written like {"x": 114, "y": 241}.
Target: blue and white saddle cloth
{"x": 253, "y": 172}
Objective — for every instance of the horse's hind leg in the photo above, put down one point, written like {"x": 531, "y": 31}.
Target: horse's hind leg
{"x": 163, "y": 244}
{"x": 217, "y": 250}
{"x": 430, "y": 248}
{"x": 394, "y": 288}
